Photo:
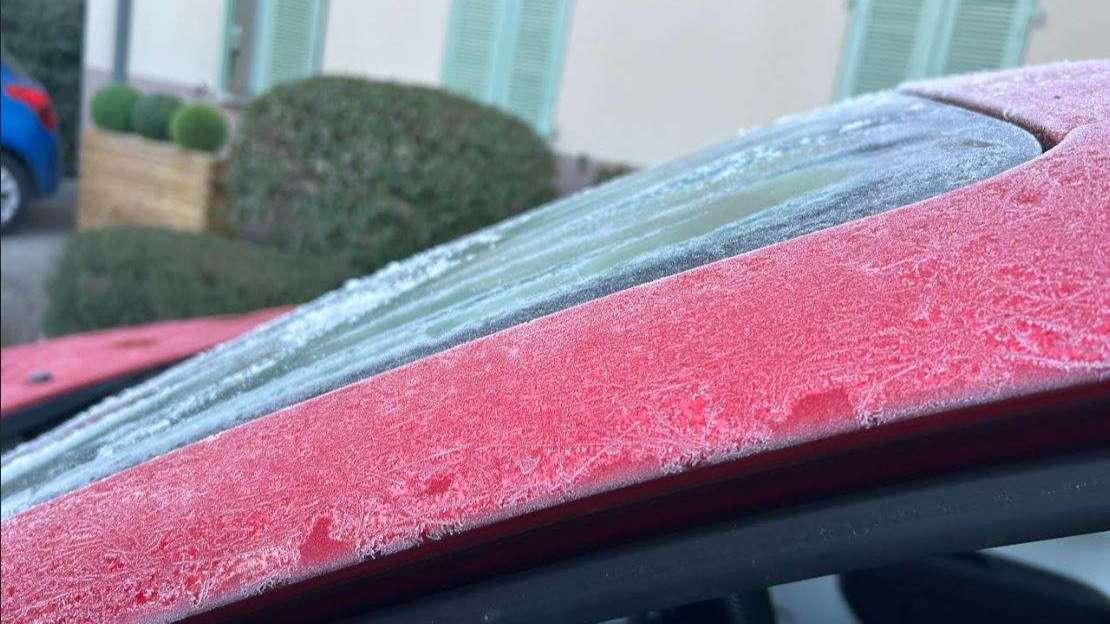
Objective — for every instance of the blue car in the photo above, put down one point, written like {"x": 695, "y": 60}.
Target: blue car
{"x": 30, "y": 163}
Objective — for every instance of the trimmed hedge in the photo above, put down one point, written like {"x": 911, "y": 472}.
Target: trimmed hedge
{"x": 112, "y": 106}
{"x": 199, "y": 127}
{"x": 152, "y": 113}
{"x": 379, "y": 170}
{"x": 127, "y": 275}
{"x": 45, "y": 38}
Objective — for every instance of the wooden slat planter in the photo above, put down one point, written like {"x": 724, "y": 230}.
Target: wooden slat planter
{"x": 128, "y": 179}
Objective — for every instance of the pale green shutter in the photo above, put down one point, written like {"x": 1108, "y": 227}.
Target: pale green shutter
{"x": 535, "y": 62}
{"x": 983, "y": 34}
{"x": 887, "y": 42}
{"x": 890, "y": 41}
{"x": 290, "y": 39}
{"x": 508, "y": 53}
{"x": 472, "y": 43}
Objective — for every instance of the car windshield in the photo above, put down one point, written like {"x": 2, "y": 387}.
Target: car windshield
{"x": 765, "y": 186}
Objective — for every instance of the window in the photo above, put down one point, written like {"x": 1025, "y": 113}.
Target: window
{"x": 508, "y": 53}
{"x": 267, "y": 42}
{"x": 889, "y": 41}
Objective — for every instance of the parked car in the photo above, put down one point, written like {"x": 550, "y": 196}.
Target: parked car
{"x": 29, "y": 162}
{"x": 46, "y": 381}
{"x": 868, "y": 341}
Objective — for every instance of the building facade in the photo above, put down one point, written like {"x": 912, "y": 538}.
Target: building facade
{"x": 633, "y": 81}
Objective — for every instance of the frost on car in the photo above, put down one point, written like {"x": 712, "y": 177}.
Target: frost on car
{"x": 930, "y": 379}
{"x": 765, "y": 186}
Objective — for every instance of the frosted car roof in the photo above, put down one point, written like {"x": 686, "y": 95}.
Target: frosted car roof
{"x": 956, "y": 315}
{"x": 797, "y": 176}
{"x": 1049, "y": 100}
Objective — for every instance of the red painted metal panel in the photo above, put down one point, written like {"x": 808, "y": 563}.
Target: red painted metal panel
{"x": 1047, "y": 100}
{"x": 75, "y": 362}
{"x": 993, "y": 291}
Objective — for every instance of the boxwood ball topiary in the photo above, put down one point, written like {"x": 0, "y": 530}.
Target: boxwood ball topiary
{"x": 379, "y": 170}
{"x": 152, "y": 114}
{"x": 112, "y": 106}
{"x": 199, "y": 127}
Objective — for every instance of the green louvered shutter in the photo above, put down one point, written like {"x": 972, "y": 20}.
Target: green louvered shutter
{"x": 508, "y": 53}
{"x": 983, "y": 34}
{"x": 887, "y": 42}
{"x": 890, "y": 41}
{"x": 472, "y": 42}
{"x": 535, "y": 62}
{"x": 290, "y": 35}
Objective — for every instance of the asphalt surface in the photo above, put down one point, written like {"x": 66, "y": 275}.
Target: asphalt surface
{"x": 27, "y": 257}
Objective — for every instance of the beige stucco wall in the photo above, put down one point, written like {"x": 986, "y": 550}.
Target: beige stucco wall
{"x": 172, "y": 41}
{"x": 645, "y": 80}
{"x": 161, "y": 29}
{"x": 100, "y": 33}
{"x": 387, "y": 39}
{"x": 1070, "y": 30}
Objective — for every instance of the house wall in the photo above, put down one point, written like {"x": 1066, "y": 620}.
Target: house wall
{"x": 100, "y": 33}
{"x": 386, "y": 39}
{"x": 643, "y": 80}
{"x": 173, "y": 41}
{"x": 1070, "y": 30}
{"x": 162, "y": 29}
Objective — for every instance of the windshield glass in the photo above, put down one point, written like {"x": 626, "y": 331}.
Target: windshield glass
{"x": 797, "y": 176}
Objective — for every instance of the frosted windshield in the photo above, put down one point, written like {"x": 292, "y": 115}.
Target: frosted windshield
{"x": 794, "y": 177}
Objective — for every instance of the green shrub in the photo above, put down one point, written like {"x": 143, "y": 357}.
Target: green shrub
{"x": 127, "y": 275}
{"x": 112, "y": 106}
{"x": 45, "y": 39}
{"x": 199, "y": 127}
{"x": 379, "y": 169}
{"x": 152, "y": 113}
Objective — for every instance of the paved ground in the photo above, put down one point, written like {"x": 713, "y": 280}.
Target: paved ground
{"x": 27, "y": 256}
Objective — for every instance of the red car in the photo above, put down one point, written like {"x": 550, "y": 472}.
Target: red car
{"x": 859, "y": 341}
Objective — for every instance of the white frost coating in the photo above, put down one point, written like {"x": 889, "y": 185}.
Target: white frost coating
{"x": 855, "y": 125}
{"x": 820, "y": 169}
{"x": 1047, "y": 99}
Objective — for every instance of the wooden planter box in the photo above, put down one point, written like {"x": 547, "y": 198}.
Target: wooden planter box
{"x": 128, "y": 179}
